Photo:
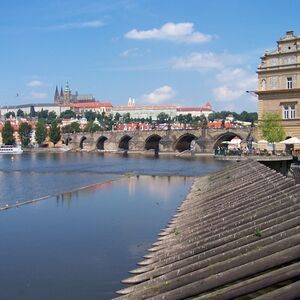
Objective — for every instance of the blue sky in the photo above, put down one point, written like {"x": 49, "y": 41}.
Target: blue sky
{"x": 182, "y": 52}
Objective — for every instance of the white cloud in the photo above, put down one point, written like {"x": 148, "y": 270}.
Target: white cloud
{"x": 176, "y": 32}
{"x": 36, "y": 95}
{"x": 160, "y": 95}
{"x": 35, "y": 83}
{"x": 77, "y": 25}
{"x": 202, "y": 61}
{"x": 229, "y": 75}
{"x": 233, "y": 83}
{"x": 198, "y": 61}
{"x": 133, "y": 52}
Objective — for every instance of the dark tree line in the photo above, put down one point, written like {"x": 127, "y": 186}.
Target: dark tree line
{"x": 243, "y": 116}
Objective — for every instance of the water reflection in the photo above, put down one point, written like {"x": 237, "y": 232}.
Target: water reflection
{"x": 82, "y": 243}
{"x": 34, "y": 175}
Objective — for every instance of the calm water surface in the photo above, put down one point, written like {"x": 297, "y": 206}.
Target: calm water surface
{"x": 33, "y": 175}
{"x": 80, "y": 244}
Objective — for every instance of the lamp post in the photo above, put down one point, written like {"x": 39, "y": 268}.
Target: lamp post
{"x": 252, "y": 93}
{"x": 249, "y": 141}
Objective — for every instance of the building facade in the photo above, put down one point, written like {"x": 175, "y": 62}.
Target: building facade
{"x": 279, "y": 83}
{"x": 152, "y": 111}
{"x": 205, "y": 110}
{"x": 98, "y": 107}
{"x": 36, "y": 107}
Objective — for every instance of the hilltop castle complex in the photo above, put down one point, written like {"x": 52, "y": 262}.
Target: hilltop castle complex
{"x": 65, "y": 96}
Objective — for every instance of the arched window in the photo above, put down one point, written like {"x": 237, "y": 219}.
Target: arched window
{"x": 285, "y": 112}
{"x": 293, "y": 111}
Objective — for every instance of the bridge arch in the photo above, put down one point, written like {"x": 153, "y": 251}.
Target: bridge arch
{"x": 100, "y": 142}
{"x": 124, "y": 142}
{"x": 82, "y": 142}
{"x": 183, "y": 143}
{"x": 67, "y": 141}
{"x": 228, "y": 136}
{"x": 152, "y": 142}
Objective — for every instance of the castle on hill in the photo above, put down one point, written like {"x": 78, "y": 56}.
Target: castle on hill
{"x": 65, "y": 96}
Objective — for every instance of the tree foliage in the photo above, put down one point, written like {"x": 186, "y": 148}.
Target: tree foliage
{"x": 54, "y": 133}
{"x": 42, "y": 115}
{"x": 40, "y": 132}
{"x": 47, "y": 116}
{"x": 162, "y": 118}
{"x": 8, "y": 134}
{"x": 20, "y": 113}
{"x": 51, "y": 117}
{"x": 243, "y": 116}
{"x": 25, "y": 133}
{"x": 90, "y": 115}
{"x": 91, "y": 127}
{"x": 71, "y": 128}
{"x": 68, "y": 114}
{"x": 271, "y": 127}
{"x": 10, "y": 114}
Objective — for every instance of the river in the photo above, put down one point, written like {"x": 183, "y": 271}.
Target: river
{"x": 101, "y": 214}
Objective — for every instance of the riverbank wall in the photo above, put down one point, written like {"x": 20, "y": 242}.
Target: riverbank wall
{"x": 237, "y": 233}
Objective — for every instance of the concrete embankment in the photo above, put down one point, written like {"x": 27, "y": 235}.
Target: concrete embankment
{"x": 236, "y": 234}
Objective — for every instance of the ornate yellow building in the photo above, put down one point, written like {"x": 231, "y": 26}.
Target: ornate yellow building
{"x": 279, "y": 83}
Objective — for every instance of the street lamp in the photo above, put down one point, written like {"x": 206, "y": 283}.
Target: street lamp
{"x": 252, "y": 93}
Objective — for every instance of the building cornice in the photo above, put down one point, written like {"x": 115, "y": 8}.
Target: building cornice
{"x": 268, "y": 54}
{"x": 277, "y": 91}
{"x": 281, "y": 68}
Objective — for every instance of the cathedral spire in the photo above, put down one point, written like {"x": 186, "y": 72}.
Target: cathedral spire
{"x": 61, "y": 92}
{"x": 56, "y": 95}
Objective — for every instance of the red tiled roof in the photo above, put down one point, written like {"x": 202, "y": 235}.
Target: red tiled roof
{"x": 90, "y": 104}
{"x": 146, "y": 106}
{"x": 193, "y": 108}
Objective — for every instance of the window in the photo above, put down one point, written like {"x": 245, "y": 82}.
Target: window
{"x": 289, "y": 82}
{"x": 285, "y": 112}
{"x": 273, "y": 82}
{"x": 289, "y": 111}
{"x": 293, "y": 111}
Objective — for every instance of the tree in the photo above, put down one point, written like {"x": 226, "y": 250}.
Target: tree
{"x": 43, "y": 114}
{"x": 32, "y": 112}
{"x": 126, "y": 118}
{"x": 25, "y": 133}
{"x": 162, "y": 118}
{"x": 91, "y": 127}
{"x": 10, "y": 114}
{"x": 68, "y": 114}
{"x": 189, "y": 119}
{"x": 54, "y": 133}
{"x": 40, "y": 132}
{"x": 271, "y": 127}
{"x": 71, "y": 128}
{"x": 90, "y": 115}
{"x": 20, "y": 113}
{"x": 51, "y": 117}
{"x": 8, "y": 134}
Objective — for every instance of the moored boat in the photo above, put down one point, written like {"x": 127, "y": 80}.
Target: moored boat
{"x": 10, "y": 149}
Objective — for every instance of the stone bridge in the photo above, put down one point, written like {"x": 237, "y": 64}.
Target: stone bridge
{"x": 198, "y": 141}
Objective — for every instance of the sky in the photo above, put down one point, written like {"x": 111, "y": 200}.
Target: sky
{"x": 160, "y": 52}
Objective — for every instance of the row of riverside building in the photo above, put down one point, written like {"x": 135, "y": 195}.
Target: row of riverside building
{"x": 65, "y": 100}
{"x": 278, "y": 91}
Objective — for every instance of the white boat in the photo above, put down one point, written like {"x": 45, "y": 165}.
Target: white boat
{"x": 9, "y": 149}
